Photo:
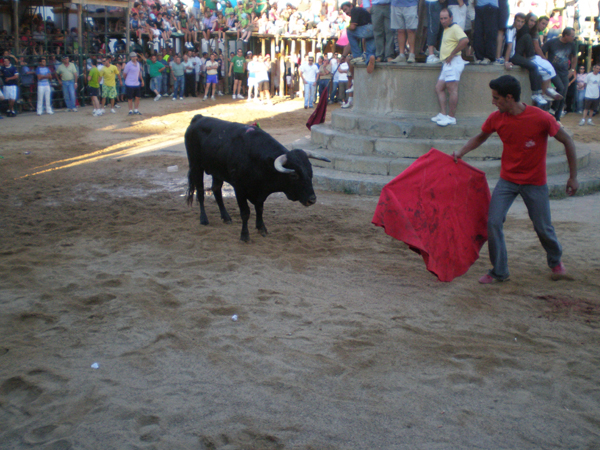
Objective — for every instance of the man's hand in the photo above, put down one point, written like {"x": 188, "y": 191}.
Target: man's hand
{"x": 508, "y": 65}
{"x": 456, "y": 156}
{"x": 449, "y": 58}
{"x": 572, "y": 186}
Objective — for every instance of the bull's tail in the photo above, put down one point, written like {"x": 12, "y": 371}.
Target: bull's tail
{"x": 189, "y": 196}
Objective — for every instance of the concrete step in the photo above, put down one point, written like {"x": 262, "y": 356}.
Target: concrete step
{"x": 392, "y": 166}
{"x": 349, "y": 142}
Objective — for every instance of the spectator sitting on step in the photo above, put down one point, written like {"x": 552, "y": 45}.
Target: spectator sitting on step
{"x": 360, "y": 28}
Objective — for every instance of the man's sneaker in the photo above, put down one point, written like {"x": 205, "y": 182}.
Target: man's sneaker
{"x": 117, "y": 106}
{"x": 440, "y": 116}
{"x": 499, "y": 61}
{"x": 130, "y": 113}
{"x": 213, "y": 97}
{"x": 350, "y": 91}
{"x": 348, "y": 104}
{"x": 157, "y": 98}
{"x": 432, "y": 59}
{"x": 485, "y": 61}
{"x": 113, "y": 110}
{"x": 488, "y": 279}
{"x": 234, "y": 96}
{"x": 137, "y": 112}
{"x": 219, "y": 93}
{"x": 582, "y": 122}
{"x": 590, "y": 122}
{"x": 180, "y": 98}
{"x": 174, "y": 98}
{"x": 240, "y": 97}
{"x": 358, "y": 60}
{"x": 539, "y": 99}
{"x": 400, "y": 58}
{"x": 547, "y": 97}
{"x": 559, "y": 272}
{"x": 74, "y": 109}
{"x": 446, "y": 121}
{"x": 205, "y": 98}
{"x": 555, "y": 95}
{"x": 411, "y": 58}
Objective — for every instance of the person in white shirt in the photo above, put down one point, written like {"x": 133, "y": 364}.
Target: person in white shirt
{"x": 212, "y": 76}
{"x": 342, "y": 75}
{"x": 308, "y": 73}
{"x": 592, "y": 94}
{"x": 336, "y": 77}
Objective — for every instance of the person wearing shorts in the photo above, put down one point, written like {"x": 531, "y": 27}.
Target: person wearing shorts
{"x": 405, "y": 19}
{"x": 94, "y": 87}
{"x": 212, "y": 77}
{"x": 10, "y": 75}
{"x": 109, "y": 89}
{"x": 454, "y": 40}
{"x": 592, "y": 94}
{"x": 237, "y": 67}
{"x": 134, "y": 82}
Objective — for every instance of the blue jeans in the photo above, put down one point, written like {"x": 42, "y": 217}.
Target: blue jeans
{"x": 538, "y": 206}
{"x": 357, "y": 35}
{"x": 322, "y": 85}
{"x": 165, "y": 84}
{"x": 580, "y": 100}
{"x": 433, "y": 22}
{"x": 155, "y": 83}
{"x": 179, "y": 87}
{"x": 309, "y": 93}
{"x": 69, "y": 93}
{"x": 334, "y": 88}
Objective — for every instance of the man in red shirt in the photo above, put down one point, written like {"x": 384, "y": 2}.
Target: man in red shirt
{"x": 524, "y": 132}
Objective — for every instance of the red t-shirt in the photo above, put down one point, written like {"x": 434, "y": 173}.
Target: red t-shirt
{"x": 525, "y": 139}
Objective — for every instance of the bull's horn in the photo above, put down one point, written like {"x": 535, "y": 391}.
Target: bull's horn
{"x": 315, "y": 156}
{"x": 279, "y": 162}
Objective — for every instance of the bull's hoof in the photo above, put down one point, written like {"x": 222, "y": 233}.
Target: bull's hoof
{"x": 227, "y": 221}
{"x": 245, "y": 237}
{"x": 204, "y": 222}
{"x": 263, "y": 231}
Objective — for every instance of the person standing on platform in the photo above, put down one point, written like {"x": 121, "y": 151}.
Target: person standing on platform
{"x": 454, "y": 40}
{"x": 524, "y": 132}
{"x": 360, "y": 28}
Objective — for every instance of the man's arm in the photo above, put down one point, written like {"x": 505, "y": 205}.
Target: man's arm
{"x": 462, "y": 44}
{"x": 565, "y": 139}
{"x": 473, "y": 143}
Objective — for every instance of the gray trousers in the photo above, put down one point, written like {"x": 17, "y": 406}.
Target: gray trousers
{"x": 538, "y": 206}
{"x": 382, "y": 31}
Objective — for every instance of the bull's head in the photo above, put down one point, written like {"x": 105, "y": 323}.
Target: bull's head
{"x": 299, "y": 171}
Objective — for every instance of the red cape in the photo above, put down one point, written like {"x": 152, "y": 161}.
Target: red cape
{"x": 440, "y": 209}
{"x": 318, "y": 115}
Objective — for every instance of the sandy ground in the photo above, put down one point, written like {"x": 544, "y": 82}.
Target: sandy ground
{"x": 343, "y": 339}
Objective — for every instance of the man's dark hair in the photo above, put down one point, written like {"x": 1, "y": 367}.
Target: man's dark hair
{"x": 543, "y": 18}
{"x": 94, "y": 62}
{"x": 505, "y": 85}
{"x": 348, "y": 4}
{"x": 448, "y": 11}
{"x": 568, "y": 32}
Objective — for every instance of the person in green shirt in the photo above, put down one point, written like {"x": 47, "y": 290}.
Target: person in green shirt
{"x": 237, "y": 66}
{"x": 94, "y": 87}
{"x": 155, "y": 69}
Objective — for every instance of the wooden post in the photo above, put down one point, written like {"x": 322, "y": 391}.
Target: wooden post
{"x": 79, "y": 28}
{"x": 127, "y": 30}
{"x": 273, "y": 61}
{"x": 262, "y": 46}
{"x": 225, "y": 63}
{"x": 16, "y": 27}
{"x": 419, "y": 35}
{"x": 302, "y": 55}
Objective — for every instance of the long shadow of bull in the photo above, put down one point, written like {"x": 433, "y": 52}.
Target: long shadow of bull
{"x": 249, "y": 159}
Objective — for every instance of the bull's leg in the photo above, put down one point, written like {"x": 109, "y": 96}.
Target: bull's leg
{"x": 197, "y": 178}
{"x": 216, "y": 188}
{"x": 260, "y": 225}
{"x": 245, "y": 213}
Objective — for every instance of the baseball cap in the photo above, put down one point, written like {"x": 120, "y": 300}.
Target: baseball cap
{"x": 248, "y": 52}
{"x": 132, "y": 54}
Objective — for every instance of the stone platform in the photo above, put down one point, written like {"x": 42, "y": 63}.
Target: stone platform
{"x": 389, "y": 127}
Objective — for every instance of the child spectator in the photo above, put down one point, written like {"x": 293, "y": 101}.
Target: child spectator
{"x": 44, "y": 75}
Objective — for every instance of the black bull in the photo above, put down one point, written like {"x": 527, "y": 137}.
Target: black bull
{"x": 249, "y": 159}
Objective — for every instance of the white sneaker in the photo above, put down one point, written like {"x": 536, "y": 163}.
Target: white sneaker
{"x": 205, "y": 98}
{"x": 74, "y": 109}
{"x": 157, "y": 98}
{"x": 439, "y": 117}
{"x": 174, "y": 98}
{"x": 350, "y": 91}
{"x": 432, "y": 59}
{"x": 400, "y": 58}
{"x": 358, "y": 60}
{"x": 219, "y": 93}
{"x": 213, "y": 97}
{"x": 234, "y": 96}
{"x": 555, "y": 95}
{"x": 180, "y": 98}
{"x": 348, "y": 104}
{"x": 590, "y": 122}
{"x": 240, "y": 97}
{"x": 446, "y": 121}
{"x": 113, "y": 110}
{"x": 539, "y": 99}
{"x": 95, "y": 114}
{"x": 411, "y": 58}
{"x": 582, "y": 122}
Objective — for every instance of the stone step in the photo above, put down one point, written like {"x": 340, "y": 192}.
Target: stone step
{"x": 328, "y": 179}
{"x": 350, "y": 143}
{"x": 392, "y": 165}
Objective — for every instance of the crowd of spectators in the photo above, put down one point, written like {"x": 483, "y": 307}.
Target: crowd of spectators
{"x": 187, "y": 42}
